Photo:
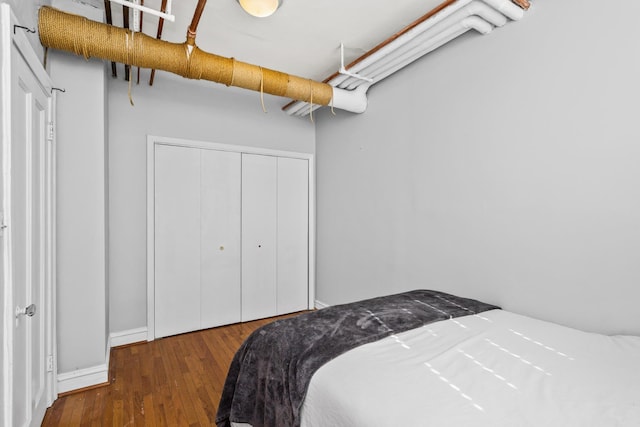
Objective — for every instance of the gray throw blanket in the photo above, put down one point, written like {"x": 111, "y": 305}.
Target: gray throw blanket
{"x": 268, "y": 377}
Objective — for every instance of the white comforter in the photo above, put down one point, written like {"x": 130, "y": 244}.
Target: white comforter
{"x": 493, "y": 369}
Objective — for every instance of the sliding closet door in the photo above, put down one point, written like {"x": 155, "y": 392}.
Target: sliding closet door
{"x": 220, "y": 238}
{"x": 259, "y": 216}
{"x": 177, "y": 240}
{"x": 293, "y": 235}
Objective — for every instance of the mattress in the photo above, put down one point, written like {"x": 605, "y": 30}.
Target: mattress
{"x": 270, "y": 373}
{"x": 492, "y": 369}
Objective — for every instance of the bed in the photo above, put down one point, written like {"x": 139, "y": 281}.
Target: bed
{"x": 475, "y": 366}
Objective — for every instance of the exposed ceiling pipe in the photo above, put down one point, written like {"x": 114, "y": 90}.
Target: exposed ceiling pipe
{"x": 420, "y": 38}
{"x": 490, "y": 18}
{"x": 470, "y": 23}
{"x": 163, "y": 8}
{"x": 191, "y": 32}
{"x": 79, "y": 35}
{"x": 107, "y": 11}
{"x": 417, "y": 31}
{"x": 139, "y": 29}
{"x": 76, "y": 34}
{"x": 125, "y": 25}
{"x": 441, "y": 38}
{"x": 510, "y": 9}
{"x": 523, "y": 4}
{"x": 354, "y": 101}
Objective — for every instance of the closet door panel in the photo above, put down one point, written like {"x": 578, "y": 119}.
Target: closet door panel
{"x": 259, "y": 216}
{"x": 293, "y": 235}
{"x": 220, "y": 242}
{"x": 177, "y": 239}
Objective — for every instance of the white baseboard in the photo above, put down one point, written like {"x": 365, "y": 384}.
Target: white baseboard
{"x": 128, "y": 337}
{"x": 82, "y": 378}
{"x": 320, "y": 305}
{"x": 87, "y": 377}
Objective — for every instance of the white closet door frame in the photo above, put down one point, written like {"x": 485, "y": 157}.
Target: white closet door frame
{"x": 152, "y": 141}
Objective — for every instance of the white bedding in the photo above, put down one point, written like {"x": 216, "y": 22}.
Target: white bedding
{"x": 493, "y": 369}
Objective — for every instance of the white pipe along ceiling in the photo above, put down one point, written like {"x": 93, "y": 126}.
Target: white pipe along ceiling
{"x": 350, "y": 92}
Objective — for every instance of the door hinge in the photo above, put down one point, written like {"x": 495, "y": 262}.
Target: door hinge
{"x": 50, "y": 363}
{"x": 50, "y": 131}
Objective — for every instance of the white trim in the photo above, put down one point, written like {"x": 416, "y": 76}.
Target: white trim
{"x": 86, "y": 377}
{"x": 128, "y": 337}
{"x": 151, "y": 215}
{"x": 244, "y": 149}
{"x": 52, "y": 254}
{"x": 5, "y": 122}
{"x": 312, "y": 233}
{"x": 82, "y": 378}
{"x": 160, "y": 140}
{"x": 320, "y": 305}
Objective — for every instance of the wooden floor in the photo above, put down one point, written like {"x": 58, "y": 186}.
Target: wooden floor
{"x": 174, "y": 381}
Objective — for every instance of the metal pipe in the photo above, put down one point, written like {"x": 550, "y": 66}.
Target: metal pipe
{"x": 140, "y": 29}
{"x": 125, "y": 25}
{"x": 107, "y": 11}
{"x": 191, "y": 32}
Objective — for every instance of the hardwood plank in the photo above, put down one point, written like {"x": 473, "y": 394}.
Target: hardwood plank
{"x": 173, "y": 381}
{"x": 89, "y": 404}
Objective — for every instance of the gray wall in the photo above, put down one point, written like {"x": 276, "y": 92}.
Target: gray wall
{"x": 81, "y": 212}
{"x": 174, "y": 107}
{"x": 503, "y": 167}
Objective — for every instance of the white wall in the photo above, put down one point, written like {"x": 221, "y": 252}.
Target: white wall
{"x": 174, "y": 107}
{"x": 81, "y": 212}
{"x": 503, "y": 168}
{"x": 82, "y": 293}
{"x": 26, "y": 12}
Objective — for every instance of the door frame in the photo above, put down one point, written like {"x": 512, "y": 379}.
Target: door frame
{"x": 152, "y": 141}
{"x": 8, "y": 39}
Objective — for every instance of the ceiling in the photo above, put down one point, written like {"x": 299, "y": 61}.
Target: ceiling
{"x": 302, "y": 38}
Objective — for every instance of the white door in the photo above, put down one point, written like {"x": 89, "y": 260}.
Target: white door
{"x": 177, "y": 240}
{"x": 293, "y": 235}
{"x": 259, "y": 252}
{"x": 26, "y": 242}
{"x": 220, "y": 238}
{"x": 229, "y": 236}
{"x": 197, "y": 239}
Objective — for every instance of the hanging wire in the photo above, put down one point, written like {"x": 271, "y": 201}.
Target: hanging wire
{"x": 262, "y": 89}
{"x": 311, "y": 102}
{"x": 233, "y": 71}
{"x": 332, "y": 111}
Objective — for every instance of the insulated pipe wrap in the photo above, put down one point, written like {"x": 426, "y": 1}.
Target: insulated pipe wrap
{"x": 79, "y": 35}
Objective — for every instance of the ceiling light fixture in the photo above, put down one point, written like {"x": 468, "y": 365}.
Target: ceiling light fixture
{"x": 260, "y": 8}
